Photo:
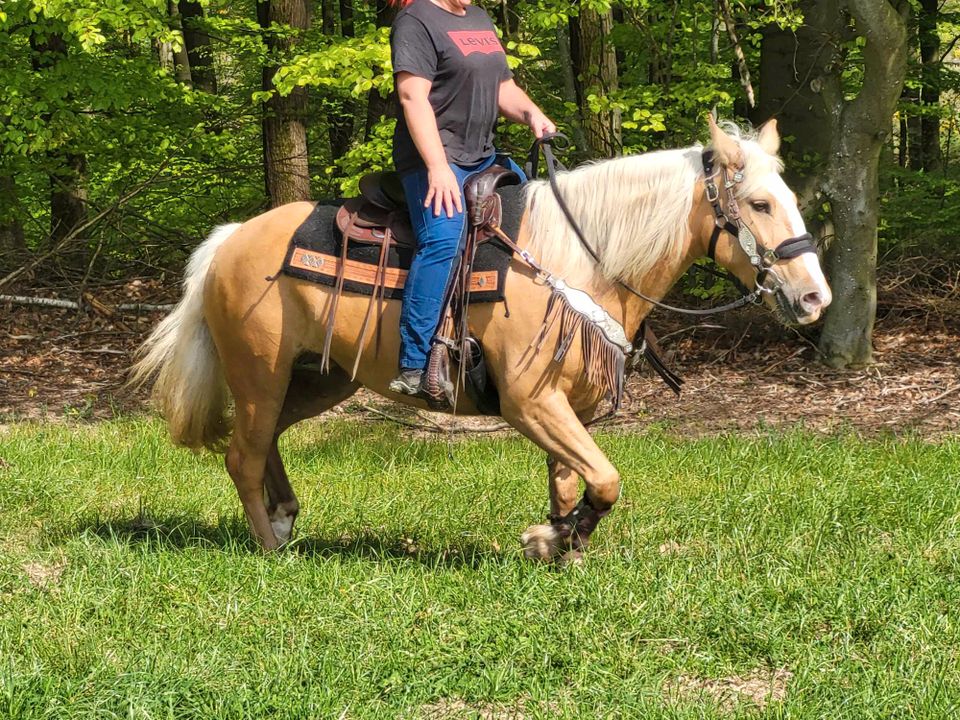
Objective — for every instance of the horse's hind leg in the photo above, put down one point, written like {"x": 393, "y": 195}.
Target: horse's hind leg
{"x": 308, "y": 395}
{"x": 257, "y": 411}
{"x": 278, "y": 496}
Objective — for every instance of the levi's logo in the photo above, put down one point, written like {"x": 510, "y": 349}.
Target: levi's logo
{"x": 471, "y": 41}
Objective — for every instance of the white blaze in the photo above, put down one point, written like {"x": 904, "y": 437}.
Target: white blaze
{"x": 778, "y": 188}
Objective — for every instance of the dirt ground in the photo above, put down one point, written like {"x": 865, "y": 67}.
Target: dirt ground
{"x": 742, "y": 369}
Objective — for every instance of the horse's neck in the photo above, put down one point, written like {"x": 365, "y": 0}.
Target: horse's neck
{"x": 655, "y": 283}
{"x": 630, "y": 310}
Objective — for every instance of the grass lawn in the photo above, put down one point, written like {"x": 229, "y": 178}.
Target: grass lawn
{"x": 780, "y": 575}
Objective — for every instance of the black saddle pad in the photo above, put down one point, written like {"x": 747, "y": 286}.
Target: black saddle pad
{"x": 314, "y": 255}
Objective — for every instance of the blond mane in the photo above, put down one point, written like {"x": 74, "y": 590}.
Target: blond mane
{"x": 633, "y": 210}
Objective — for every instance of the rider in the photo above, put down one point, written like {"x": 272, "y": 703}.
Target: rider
{"x": 452, "y": 80}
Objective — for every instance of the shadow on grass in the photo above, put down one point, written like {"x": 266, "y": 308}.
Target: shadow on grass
{"x": 184, "y": 532}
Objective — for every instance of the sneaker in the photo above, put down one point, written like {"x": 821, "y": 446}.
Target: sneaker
{"x": 407, "y": 383}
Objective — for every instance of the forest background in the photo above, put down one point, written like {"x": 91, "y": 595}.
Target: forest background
{"x": 129, "y": 128}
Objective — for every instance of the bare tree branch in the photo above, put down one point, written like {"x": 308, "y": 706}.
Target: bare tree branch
{"x": 738, "y": 51}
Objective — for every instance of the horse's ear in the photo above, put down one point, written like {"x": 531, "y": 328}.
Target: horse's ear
{"x": 769, "y": 137}
{"x": 726, "y": 148}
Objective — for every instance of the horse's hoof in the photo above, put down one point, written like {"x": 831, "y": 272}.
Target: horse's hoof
{"x": 281, "y": 521}
{"x": 542, "y": 542}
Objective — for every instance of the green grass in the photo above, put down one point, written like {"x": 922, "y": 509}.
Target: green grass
{"x": 837, "y": 559}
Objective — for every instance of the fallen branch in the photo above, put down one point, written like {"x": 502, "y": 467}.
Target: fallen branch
{"x": 83, "y": 227}
{"x": 14, "y": 371}
{"x": 145, "y": 307}
{"x": 941, "y": 396}
{"x": 94, "y": 351}
{"x": 42, "y": 302}
{"x": 73, "y": 305}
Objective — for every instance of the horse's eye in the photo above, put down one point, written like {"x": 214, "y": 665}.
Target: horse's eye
{"x": 760, "y": 206}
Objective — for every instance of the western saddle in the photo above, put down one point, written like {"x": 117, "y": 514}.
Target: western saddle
{"x": 379, "y": 217}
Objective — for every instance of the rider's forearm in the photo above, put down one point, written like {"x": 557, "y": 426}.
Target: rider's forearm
{"x": 422, "y": 124}
{"x": 515, "y": 104}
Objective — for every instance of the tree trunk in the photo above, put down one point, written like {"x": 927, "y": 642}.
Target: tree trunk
{"x": 595, "y": 64}
{"x": 930, "y": 86}
{"x": 180, "y": 59}
{"x": 68, "y": 196}
{"x": 904, "y": 138}
{"x": 851, "y": 259}
{"x": 346, "y": 18}
{"x": 569, "y": 79}
{"x": 342, "y": 110}
{"x": 328, "y": 16}
{"x": 163, "y": 52}
{"x": 911, "y": 97}
{"x": 377, "y": 105}
{"x": 859, "y": 128}
{"x": 198, "y": 47}
{"x": 789, "y": 61}
{"x": 285, "y": 157}
{"x": 12, "y": 240}
{"x": 740, "y": 68}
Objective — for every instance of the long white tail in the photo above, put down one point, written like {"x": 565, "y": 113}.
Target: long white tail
{"x": 190, "y": 391}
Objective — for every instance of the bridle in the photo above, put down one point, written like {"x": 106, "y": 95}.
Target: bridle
{"x": 731, "y": 222}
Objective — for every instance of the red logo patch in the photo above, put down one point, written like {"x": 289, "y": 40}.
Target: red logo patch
{"x": 471, "y": 41}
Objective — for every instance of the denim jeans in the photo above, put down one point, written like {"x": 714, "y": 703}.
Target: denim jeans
{"x": 439, "y": 239}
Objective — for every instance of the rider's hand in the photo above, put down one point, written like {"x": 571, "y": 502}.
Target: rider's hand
{"x": 443, "y": 191}
{"x": 540, "y": 124}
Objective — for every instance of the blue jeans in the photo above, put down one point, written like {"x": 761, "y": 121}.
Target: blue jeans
{"x": 439, "y": 239}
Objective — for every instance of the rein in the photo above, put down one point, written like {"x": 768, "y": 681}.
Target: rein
{"x": 604, "y": 345}
{"x": 732, "y": 223}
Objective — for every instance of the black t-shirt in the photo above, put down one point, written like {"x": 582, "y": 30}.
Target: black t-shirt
{"x": 463, "y": 58}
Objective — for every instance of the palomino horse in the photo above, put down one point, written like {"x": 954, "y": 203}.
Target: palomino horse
{"x": 237, "y": 331}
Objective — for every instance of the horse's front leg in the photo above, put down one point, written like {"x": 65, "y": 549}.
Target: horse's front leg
{"x": 552, "y": 424}
{"x": 547, "y": 542}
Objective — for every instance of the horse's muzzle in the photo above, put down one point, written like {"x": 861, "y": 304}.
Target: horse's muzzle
{"x": 805, "y": 309}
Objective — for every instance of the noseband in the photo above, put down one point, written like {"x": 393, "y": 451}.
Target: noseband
{"x": 731, "y": 222}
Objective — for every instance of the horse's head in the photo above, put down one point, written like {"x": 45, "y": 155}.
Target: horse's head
{"x": 755, "y": 228}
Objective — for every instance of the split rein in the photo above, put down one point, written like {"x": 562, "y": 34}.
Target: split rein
{"x": 729, "y": 221}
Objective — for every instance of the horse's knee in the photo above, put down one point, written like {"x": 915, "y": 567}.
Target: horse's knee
{"x": 604, "y": 489}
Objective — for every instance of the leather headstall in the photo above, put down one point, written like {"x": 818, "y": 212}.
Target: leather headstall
{"x": 729, "y": 220}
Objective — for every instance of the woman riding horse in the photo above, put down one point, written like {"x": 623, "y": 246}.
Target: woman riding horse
{"x": 452, "y": 79}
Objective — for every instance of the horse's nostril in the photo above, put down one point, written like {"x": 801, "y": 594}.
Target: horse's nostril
{"x": 811, "y": 301}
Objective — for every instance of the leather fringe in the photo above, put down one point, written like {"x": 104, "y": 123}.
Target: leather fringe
{"x": 604, "y": 361}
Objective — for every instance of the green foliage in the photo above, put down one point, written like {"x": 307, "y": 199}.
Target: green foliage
{"x": 371, "y": 156}
{"x": 104, "y": 94}
{"x": 920, "y": 213}
{"x": 354, "y": 66}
